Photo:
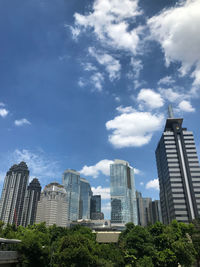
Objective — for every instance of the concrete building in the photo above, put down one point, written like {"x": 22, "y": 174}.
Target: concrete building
{"x": 13, "y": 194}
{"x": 122, "y": 190}
{"x": 71, "y": 182}
{"x": 52, "y": 206}
{"x": 31, "y": 200}
{"x": 178, "y": 172}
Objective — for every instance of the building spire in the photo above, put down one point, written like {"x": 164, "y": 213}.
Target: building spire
{"x": 170, "y": 112}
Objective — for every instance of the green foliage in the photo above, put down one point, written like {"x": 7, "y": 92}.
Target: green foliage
{"x": 157, "y": 245}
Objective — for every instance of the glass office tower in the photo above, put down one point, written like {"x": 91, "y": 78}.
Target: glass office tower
{"x": 85, "y": 199}
{"x": 122, "y": 190}
{"x": 178, "y": 172}
{"x": 71, "y": 182}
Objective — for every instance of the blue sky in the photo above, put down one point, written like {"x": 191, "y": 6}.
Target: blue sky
{"x": 86, "y": 82}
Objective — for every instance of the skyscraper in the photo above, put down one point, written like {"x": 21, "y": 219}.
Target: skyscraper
{"x": 96, "y": 213}
{"x": 13, "y": 194}
{"x": 155, "y": 211}
{"x": 31, "y": 200}
{"x": 52, "y": 206}
{"x": 144, "y": 213}
{"x": 178, "y": 172}
{"x": 71, "y": 182}
{"x": 85, "y": 199}
{"x": 122, "y": 190}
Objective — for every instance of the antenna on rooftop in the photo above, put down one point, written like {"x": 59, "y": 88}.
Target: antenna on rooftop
{"x": 170, "y": 112}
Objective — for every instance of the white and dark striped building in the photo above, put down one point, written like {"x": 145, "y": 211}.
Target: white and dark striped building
{"x": 31, "y": 200}
{"x": 13, "y": 194}
{"x": 178, "y": 172}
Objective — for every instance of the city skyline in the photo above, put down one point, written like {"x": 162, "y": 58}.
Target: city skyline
{"x": 75, "y": 95}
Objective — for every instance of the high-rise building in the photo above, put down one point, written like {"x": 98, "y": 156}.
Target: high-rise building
{"x": 122, "y": 190}
{"x": 143, "y": 205}
{"x": 13, "y": 194}
{"x": 31, "y": 200}
{"x": 85, "y": 199}
{"x": 155, "y": 211}
{"x": 52, "y": 206}
{"x": 95, "y": 211}
{"x": 71, "y": 182}
{"x": 178, "y": 172}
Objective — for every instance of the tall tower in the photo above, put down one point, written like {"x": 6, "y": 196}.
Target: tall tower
{"x": 122, "y": 190}
{"x": 85, "y": 199}
{"x": 31, "y": 200}
{"x": 52, "y": 206}
{"x": 13, "y": 194}
{"x": 178, "y": 172}
{"x": 71, "y": 182}
{"x": 143, "y": 205}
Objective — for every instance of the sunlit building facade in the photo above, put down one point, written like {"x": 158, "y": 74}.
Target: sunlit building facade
{"x": 122, "y": 191}
{"x": 52, "y": 206}
{"x": 178, "y": 172}
{"x": 13, "y": 194}
{"x": 71, "y": 182}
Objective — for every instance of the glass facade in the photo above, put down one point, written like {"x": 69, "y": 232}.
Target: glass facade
{"x": 85, "y": 199}
{"x": 71, "y": 182}
{"x": 122, "y": 190}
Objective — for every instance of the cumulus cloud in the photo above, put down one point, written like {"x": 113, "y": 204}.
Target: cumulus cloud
{"x": 111, "y": 64}
{"x": 150, "y": 98}
{"x": 21, "y": 122}
{"x": 102, "y": 166}
{"x": 3, "y": 112}
{"x": 133, "y": 129}
{"x": 153, "y": 184}
{"x": 177, "y": 31}
{"x": 109, "y": 20}
{"x": 122, "y": 109}
{"x": 2, "y": 104}
{"x": 103, "y": 191}
{"x": 186, "y": 106}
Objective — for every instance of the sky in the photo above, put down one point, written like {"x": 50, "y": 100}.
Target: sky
{"x": 85, "y": 82}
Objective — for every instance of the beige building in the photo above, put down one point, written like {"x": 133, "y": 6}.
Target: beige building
{"x": 52, "y": 207}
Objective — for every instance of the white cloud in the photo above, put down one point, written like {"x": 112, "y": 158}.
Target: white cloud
{"x": 177, "y": 31}
{"x": 2, "y": 104}
{"x": 81, "y": 83}
{"x": 122, "y": 109}
{"x": 141, "y": 183}
{"x": 102, "y": 166}
{"x": 153, "y": 184}
{"x": 103, "y": 191}
{"x": 137, "y": 67}
{"x": 150, "y": 98}
{"x": 186, "y": 106}
{"x": 117, "y": 99}
{"x": 136, "y": 171}
{"x": 167, "y": 80}
{"x": 38, "y": 163}
{"x": 97, "y": 80}
{"x": 89, "y": 67}
{"x": 171, "y": 95}
{"x": 111, "y": 64}
{"x": 21, "y": 122}
{"x": 3, "y": 112}
{"x": 109, "y": 22}
{"x": 133, "y": 129}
